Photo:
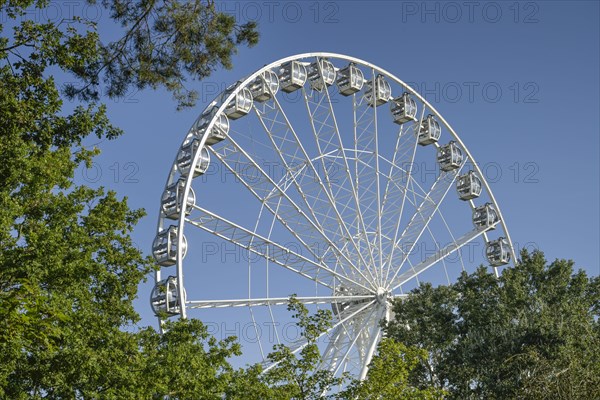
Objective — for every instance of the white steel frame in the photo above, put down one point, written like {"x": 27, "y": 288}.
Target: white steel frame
{"x": 371, "y": 266}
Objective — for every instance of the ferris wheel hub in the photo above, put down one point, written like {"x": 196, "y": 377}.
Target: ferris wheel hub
{"x": 383, "y": 296}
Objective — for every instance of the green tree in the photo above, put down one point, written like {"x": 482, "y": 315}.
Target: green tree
{"x": 299, "y": 376}
{"x": 388, "y": 375}
{"x": 185, "y": 362}
{"x": 293, "y": 376}
{"x": 533, "y": 333}
{"x": 68, "y": 268}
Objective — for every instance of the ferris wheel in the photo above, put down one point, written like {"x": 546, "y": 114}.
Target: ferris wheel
{"x": 324, "y": 176}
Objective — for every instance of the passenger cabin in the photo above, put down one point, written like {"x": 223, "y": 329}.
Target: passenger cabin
{"x": 498, "y": 252}
{"x": 164, "y": 247}
{"x": 404, "y": 109}
{"x": 429, "y": 131}
{"x": 240, "y": 105}
{"x": 219, "y": 130}
{"x": 468, "y": 186}
{"x": 485, "y": 216}
{"x": 292, "y": 76}
{"x": 380, "y": 93}
{"x": 321, "y": 73}
{"x": 171, "y": 202}
{"x": 186, "y": 157}
{"x": 350, "y": 80}
{"x": 449, "y": 156}
{"x": 265, "y": 86}
{"x": 164, "y": 298}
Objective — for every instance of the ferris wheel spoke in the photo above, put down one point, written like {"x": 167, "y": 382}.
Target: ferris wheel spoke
{"x": 279, "y": 132}
{"x": 379, "y": 244}
{"x": 438, "y": 256}
{"x": 401, "y": 164}
{"x": 437, "y": 246}
{"x": 401, "y": 186}
{"x": 294, "y": 157}
{"x": 344, "y": 341}
{"x": 402, "y": 149}
{"x": 315, "y": 192}
{"x": 331, "y": 352}
{"x": 365, "y": 181}
{"x": 339, "y": 320}
{"x": 453, "y": 237}
{"x": 420, "y": 220}
{"x": 330, "y": 145}
{"x": 270, "y": 194}
{"x": 372, "y": 341}
{"x": 274, "y": 301}
{"x": 268, "y": 249}
{"x": 396, "y": 187}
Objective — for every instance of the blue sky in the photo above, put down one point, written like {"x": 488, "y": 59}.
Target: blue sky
{"x": 518, "y": 81}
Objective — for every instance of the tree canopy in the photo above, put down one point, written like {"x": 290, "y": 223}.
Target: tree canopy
{"x": 533, "y": 333}
{"x": 388, "y": 375}
{"x": 69, "y": 270}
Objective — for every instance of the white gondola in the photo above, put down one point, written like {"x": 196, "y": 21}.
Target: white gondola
{"x": 350, "y": 80}
{"x": 164, "y": 298}
{"x": 219, "y": 130}
{"x": 430, "y": 131}
{"x": 321, "y": 72}
{"x": 404, "y": 109}
{"x": 186, "y": 156}
{"x": 171, "y": 201}
{"x": 292, "y": 76}
{"x": 265, "y": 86}
{"x": 164, "y": 247}
{"x": 468, "y": 186}
{"x": 240, "y": 105}
{"x": 485, "y": 216}
{"x": 381, "y": 94}
{"x": 498, "y": 252}
{"x": 449, "y": 156}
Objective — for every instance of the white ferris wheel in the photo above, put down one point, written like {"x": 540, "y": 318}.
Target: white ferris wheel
{"x": 324, "y": 176}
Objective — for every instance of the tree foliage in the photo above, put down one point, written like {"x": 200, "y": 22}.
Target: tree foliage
{"x": 185, "y": 362}
{"x": 163, "y": 44}
{"x": 293, "y": 376}
{"x": 300, "y": 377}
{"x": 388, "y": 375}
{"x": 533, "y": 333}
{"x": 165, "y": 41}
{"x": 69, "y": 270}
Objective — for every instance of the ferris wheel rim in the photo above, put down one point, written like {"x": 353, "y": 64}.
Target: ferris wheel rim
{"x": 240, "y": 85}
{"x": 244, "y": 82}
